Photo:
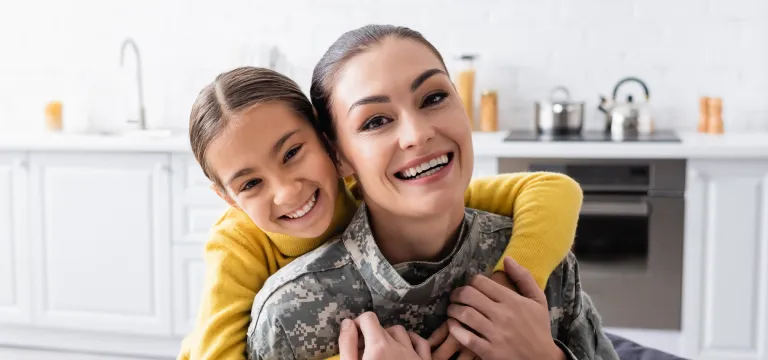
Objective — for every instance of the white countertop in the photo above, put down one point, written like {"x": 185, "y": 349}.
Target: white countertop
{"x": 692, "y": 145}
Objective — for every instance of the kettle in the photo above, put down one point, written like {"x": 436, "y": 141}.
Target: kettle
{"x": 630, "y": 117}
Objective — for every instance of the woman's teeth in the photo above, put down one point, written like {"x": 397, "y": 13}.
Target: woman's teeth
{"x": 425, "y": 169}
{"x": 304, "y": 209}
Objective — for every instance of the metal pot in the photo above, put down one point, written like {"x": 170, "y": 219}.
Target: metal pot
{"x": 559, "y": 116}
{"x": 627, "y": 118}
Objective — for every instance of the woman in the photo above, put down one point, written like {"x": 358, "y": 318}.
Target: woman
{"x": 392, "y": 107}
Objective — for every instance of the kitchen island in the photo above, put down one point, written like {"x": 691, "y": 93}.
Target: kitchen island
{"x": 101, "y": 238}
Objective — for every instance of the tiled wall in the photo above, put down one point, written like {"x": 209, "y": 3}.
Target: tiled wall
{"x": 681, "y": 48}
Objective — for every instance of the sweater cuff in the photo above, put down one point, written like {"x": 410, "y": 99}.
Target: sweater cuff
{"x": 568, "y": 354}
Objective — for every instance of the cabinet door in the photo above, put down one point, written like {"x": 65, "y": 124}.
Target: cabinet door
{"x": 188, "y": 278}
{"x": 100, "y": 241}
{"x": 196, "y": 207}
{"x": 485, "y": 166}
{"x": 725, "y": 297}
{"x": 14, "y": 242}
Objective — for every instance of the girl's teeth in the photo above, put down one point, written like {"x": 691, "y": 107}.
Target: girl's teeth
{"x": 304, "y": 209}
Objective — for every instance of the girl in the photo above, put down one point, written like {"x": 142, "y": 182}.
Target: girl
{"x": 255, "y": 136}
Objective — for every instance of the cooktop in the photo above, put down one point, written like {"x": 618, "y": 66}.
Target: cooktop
{"x": 592, "y": 136}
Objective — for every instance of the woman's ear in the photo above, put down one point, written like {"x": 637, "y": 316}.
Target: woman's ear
{"x": 224, "y": 196}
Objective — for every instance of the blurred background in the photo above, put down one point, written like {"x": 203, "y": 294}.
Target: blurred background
{"x": 104, "y": 212}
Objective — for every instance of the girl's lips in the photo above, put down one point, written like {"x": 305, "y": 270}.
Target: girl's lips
{"x": 305, "y": 210}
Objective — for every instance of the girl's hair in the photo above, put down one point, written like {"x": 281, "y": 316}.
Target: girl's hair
{"x": 233, "y": 92}
{"x": 349, "y": 45}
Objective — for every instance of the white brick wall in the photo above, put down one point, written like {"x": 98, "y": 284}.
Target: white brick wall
{"x": 682, "y": 48}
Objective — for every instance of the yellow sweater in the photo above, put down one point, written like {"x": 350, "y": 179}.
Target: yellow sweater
{"x": 240, "y": 257}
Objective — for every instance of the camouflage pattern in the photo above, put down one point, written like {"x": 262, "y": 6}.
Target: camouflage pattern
{"x": 298, "y": 312}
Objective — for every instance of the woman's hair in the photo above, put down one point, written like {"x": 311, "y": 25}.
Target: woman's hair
{"x": 233, "y": 92}
{"x": 349, "y": 45}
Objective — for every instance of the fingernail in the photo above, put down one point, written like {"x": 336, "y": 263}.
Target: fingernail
{"x": 346, "y": 324}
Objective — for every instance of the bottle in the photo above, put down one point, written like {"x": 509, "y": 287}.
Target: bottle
{"x": 715, "y": 116}
{"x": 465, "y": 86}
{"x": 489, "y": 112}
{"x": 703, "y": 114}
{"x": 53, "y": 116}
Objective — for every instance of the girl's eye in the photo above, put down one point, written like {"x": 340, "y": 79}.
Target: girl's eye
{"x": 434, "y": 99}
{"x": 375, "y": 123}
{"x": 250, "y": 184}
{"x": 291, "y": 153}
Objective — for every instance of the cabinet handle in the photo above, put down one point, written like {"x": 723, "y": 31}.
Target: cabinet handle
{"x": 21, "y": 163}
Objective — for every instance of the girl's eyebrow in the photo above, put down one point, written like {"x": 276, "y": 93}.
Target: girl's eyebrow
{"x": 280, "y": 142}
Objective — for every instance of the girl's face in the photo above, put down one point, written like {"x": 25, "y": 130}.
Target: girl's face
{"x": 273, "y": 166}
{"x": 401, "y": 127}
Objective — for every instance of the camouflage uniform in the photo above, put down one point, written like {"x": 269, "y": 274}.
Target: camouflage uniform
{"x": 298, "y": 313}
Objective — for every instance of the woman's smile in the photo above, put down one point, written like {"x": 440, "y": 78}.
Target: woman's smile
{"x": 427, "y": 170}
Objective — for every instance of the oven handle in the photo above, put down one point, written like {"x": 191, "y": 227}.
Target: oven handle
{"x": 615, "y": 208}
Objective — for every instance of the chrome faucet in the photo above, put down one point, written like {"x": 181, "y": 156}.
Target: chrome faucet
{"x": 142, "y": 120}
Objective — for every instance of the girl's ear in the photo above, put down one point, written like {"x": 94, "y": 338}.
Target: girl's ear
{"x": 224, "y": 196}
{"x": 343, "y": 167}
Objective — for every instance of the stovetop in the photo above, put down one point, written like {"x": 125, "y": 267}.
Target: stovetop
{"x": 592, "y": 136}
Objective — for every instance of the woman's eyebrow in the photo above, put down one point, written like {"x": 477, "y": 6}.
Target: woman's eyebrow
{"x": 419, "y": 80}
{"x": 374, "y": 99}
{"x": 379, "y": 99}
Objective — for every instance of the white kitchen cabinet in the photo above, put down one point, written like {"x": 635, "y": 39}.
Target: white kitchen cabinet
{"x": 725, "y": 302}
{"x": 100, "y": 236}
{"x": 485, "y": 166}
{"x": 196, "y": 205}
{"x": 188, "y": 278}
{"x": 14, "y": 244}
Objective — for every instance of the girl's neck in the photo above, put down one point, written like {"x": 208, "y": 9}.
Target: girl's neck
{"x": 427, "y": 238}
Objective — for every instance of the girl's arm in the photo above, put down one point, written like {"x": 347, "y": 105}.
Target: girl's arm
{"x": 238, "y": 261}
{"x": 544, "y": 207}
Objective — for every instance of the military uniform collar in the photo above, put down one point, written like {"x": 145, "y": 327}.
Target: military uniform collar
{"x": 383, "y": 278}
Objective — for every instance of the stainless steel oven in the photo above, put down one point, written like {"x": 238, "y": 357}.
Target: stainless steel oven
{"x": 629, "y": 240}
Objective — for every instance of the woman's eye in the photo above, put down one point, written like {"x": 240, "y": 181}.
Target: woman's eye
{"x": 291, "y": 153}
{"x": 375, "y": 123}
{"x": 250, "y": 184}
{"x": 434, "y": 99}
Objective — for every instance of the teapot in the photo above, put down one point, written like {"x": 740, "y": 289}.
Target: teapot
{"x": 627, "y": 118}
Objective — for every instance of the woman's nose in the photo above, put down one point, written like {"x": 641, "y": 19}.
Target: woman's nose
{"x": 415, "y": 131}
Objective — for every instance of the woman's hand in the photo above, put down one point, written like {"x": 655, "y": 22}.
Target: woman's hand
{"x": 510, "y": 325}
{"x": 445, "y": 345}
{"x": 393, "y": 343}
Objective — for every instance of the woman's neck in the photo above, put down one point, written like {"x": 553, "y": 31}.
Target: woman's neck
{"x": 427, "y": 238}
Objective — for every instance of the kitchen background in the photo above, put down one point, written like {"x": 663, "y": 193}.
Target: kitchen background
{"x": 680, "y": 217}
{"x": 683, "y": 49}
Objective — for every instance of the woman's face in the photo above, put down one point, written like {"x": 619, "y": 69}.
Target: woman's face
{"x": 273, "y": 166}
{"x": 401, "y": 127}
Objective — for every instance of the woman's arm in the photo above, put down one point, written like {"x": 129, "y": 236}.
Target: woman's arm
{"x": 544, "y": 207}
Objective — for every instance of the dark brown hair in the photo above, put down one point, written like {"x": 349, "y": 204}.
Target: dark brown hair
{"x": 349, "y": 45}
{"x": 234, "y": 91}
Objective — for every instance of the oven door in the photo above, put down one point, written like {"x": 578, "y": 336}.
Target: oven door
{"x": 629, "y": 249}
